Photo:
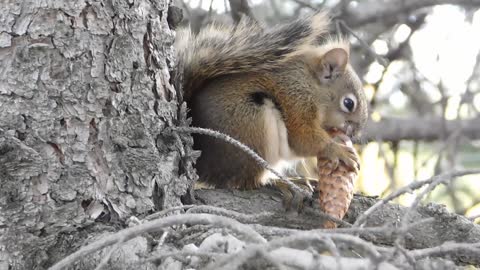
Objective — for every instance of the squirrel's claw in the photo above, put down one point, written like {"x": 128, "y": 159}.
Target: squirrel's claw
{"x": 352, "y": 160}
{"x": 337, "y": 153}
{"x": 294, "y": 201}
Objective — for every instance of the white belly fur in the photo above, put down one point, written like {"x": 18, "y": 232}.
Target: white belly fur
{"x": 277, "y": 152}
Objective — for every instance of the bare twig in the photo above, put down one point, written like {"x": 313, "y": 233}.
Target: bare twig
{"x": 239, "y": 8}
{"x": 156, "y": 225}
{"x": 409, "y": 188}
{"x": 300, "y": 240}
{"x": 381, "y": 60}
{"x": 272, "y": 260}
{"x": 304, "y": 3}
{"x": 234, "y": 261}
{"x": 437, "y": 180}
{"x": 197, "y": 232}
{"x": 244, "y": 218}
{"x": 167, "y": 211}
{"x": 105, "y": 259}
{"x": 399, "y": 249}
{"x": 473, "y": 218}
{"x": 447, "y": 248}
{"x": 262, "y": 162}
{"x": 396, "y": 11}
{"x": 467, "y": 96}
{"x": 162, "y": 238}
{"x": 183, "y": 254}
{"x": 269, "y": 231}
{"x": 330, "y": 217}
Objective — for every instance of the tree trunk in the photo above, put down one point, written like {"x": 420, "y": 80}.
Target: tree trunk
{"x": 85, "y": 99}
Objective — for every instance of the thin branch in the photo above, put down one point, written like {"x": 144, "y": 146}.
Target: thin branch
{"x": 392, "y": 12}
{"x": 436, "y": 181}
{"x": 157, "y": 225}
{"x": 105, "y": 259}
{"x": 447, "y": 248}
{"x": 183, "y": 254}
{"x": 299, "y": 240}
{"x": 330, "y": 218}
{"x": 244, "y": 218}
{"x": 239, "y": 8}
{"x": 409, "y": 188}
{"x": 381, "y": 60}
{"x": 473, "y": 218}
{"x": 168, "y": 211}
{"x": 262, "y": 162}
{"x": 380, "y": 230}
{"x": 304, "y": 3}
{"x": 419, "y": 129}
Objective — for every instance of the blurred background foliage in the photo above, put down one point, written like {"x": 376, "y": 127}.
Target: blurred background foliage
{"x": 420, "y": 63}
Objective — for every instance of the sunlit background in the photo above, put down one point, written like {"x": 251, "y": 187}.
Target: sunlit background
{"x": 444, "y": 52}
{"x": 437, "y": 75}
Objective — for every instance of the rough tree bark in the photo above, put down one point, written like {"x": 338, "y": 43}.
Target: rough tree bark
{"x": 85, "y": 109}
{"x": 85, "y": 96}
{"x": 445, "y": 227}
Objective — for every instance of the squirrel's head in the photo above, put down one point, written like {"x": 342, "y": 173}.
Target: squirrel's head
{"x": 347, "y": 107}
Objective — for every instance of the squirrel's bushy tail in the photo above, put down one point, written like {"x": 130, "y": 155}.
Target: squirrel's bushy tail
{"x": 246, "y": 47}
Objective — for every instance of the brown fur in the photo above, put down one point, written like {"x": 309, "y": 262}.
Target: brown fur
{"x": 235, "y": 77}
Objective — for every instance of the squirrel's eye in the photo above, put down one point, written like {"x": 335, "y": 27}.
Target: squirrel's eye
{"x": 348, "y": 103}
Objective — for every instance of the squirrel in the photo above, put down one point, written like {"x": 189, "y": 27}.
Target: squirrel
{"x": 280, "y": 91}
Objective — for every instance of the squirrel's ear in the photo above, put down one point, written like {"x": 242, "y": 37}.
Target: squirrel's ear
{"x": 333, "y": 64}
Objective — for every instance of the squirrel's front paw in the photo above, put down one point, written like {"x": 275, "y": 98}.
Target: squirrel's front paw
{"x": 336, "y": 153}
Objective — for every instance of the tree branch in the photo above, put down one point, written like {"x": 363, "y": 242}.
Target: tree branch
{"x": 370, "y": 12}
{"x": 239, "y": 8}
{"x": 425, "y": 129}
{"x": 436, "y": 224}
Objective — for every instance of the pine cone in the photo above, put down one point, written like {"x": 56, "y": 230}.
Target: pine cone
{"x": 335, "y": 186}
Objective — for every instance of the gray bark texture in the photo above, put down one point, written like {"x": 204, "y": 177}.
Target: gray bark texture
{"x": 85, "y": 98}
{"x": 86, "y": 147}
{"x": 446, "y": 227}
